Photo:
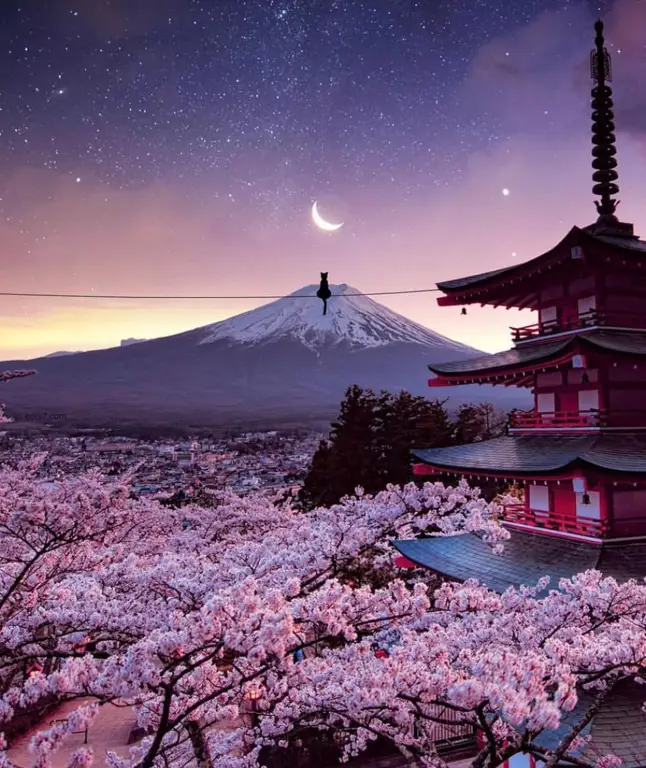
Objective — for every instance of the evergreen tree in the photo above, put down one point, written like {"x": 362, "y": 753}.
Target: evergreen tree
{"x": 478, "y": 422}
{"x": 318, "y": 485}
{"x": 370, "y": 444}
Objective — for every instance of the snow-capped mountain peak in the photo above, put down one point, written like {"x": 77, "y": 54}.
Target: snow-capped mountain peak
{"x": 353, "y": 319}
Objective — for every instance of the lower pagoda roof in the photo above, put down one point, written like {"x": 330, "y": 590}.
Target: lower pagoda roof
{"x": 536, "y": 454}
{"x": 526, "y": 558}
{"x": 531, "y": 357}
{"x": 619, "y": 727}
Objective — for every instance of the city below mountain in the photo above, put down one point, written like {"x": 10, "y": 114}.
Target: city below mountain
{"x": 284, "y": 363}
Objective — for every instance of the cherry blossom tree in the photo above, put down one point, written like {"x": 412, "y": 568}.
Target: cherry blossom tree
{"x": 235, "y": 628}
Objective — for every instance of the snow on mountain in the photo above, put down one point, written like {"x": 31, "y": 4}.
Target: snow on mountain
{"x": 354, "y": 319}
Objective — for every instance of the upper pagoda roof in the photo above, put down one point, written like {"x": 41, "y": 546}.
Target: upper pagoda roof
{"x": 538, "y": 454}
{"x": 500, "y": 286}
{"x": 525, "y": 359}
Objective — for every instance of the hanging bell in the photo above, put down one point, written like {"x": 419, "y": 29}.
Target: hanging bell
{"x": 585, "y": 379}
{"x": 464, "y": 311}
{"x": 585, "y": 499}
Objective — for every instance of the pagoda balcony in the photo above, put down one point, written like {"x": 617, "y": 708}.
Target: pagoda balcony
{"x": 559, "y": 420}
{"x": 519, "y": 514}
{"x": 592, "y": 319}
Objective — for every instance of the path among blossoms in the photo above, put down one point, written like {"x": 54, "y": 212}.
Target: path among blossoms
{"x": 108, "y": 733}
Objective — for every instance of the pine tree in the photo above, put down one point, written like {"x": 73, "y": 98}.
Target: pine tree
{"x": 478, "y": 422}
{"x": 370, "y": 444}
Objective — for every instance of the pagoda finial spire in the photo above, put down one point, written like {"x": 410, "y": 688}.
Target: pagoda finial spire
{"x": 603, "y": 131}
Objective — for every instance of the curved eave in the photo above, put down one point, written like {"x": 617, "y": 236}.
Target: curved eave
{"x": 423, "y": 469}
{"x": 471, "y": 289}
{"x": 538, "y": 456}
{"x": 525, "y": 559}
{"x": 516, "y": 366}
{"x": 513, "y": 366}
{"x": 497, "y": 286}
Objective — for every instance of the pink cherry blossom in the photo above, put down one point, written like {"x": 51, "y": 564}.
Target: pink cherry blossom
{"x": 257, "y": 620}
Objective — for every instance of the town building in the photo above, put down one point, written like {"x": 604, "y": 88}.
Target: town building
{"x": 580, "y": 453}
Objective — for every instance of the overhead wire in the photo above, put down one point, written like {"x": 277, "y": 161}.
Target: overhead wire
{"x": 211, "y": 298}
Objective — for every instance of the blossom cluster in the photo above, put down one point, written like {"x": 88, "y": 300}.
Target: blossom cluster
{"x": 231, "y": 628}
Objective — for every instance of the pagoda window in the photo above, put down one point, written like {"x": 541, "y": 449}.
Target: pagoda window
{"x": 548, "y": 315}
{"x": 539, "y": 498}
{"x": 545, "y": 402}
{"x": 589, "y": 505}
{"x": 588, "y": 400}
{"x": 587, "y": 305}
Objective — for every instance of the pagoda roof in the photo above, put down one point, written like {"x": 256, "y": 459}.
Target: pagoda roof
{"x": 527, "y": 357}
{"x": 510, "y": 358}
{"x": 539, "y": 454}
{"x": 526, "y": 558}
{"x": 619, "y": 727}
{"x": 603, "y": 242}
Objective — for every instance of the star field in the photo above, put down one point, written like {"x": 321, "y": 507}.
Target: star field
{"x": 173, "y": 144}
{"x": 293, "y": 93}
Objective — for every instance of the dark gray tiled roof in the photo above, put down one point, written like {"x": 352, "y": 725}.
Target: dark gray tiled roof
{"x": 617, "y": 452}
{"x": 464, "y": 282}
{"x": 508, "y": 358}
{"x": 483, "y": 277}
{"x": 551, "y": 739}
{"x": 629, "y": 243}
{"x": 541, "y": 453}
{"x": 620, "y": 726}
{"x": 631, "y": 343}
{"x": 526, "y": 558}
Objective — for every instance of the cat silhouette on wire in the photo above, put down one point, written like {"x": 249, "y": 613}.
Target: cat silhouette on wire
{"x": 324, "y": 292}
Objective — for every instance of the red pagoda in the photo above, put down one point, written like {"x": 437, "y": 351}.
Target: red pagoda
{"x": 580, "y": 453}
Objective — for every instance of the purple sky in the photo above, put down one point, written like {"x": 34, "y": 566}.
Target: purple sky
{"x": 99, "y": 192}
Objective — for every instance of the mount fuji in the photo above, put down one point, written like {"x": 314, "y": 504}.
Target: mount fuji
{"x": 352, "y": 318}
{"x": 284, "y": 363}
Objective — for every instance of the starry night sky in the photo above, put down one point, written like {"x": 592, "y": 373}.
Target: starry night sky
{"x": 176, "y": 146}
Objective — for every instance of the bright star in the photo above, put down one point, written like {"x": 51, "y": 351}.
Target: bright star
{"x": 505, "y": 191}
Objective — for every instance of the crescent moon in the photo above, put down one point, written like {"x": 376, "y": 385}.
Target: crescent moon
{"x": 321, "y": 223}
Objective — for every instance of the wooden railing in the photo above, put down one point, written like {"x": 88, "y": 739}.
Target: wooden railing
{"x": 558, "y": 419}
{"x": 584, "y": 320}
{"x": 555, "y": 521}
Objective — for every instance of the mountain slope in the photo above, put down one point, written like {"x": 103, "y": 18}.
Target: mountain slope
{"x": 265, "y": 367}
{"x": 351, "y": 318}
